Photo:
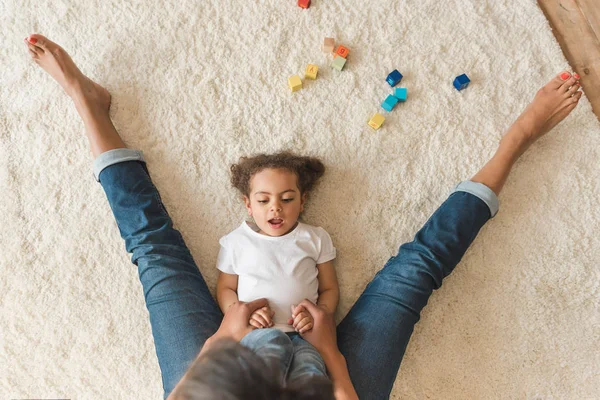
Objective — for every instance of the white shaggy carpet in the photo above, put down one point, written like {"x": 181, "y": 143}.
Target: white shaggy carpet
{"x": 196, "y": 85}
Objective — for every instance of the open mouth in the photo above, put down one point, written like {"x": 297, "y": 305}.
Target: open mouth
{"x": 276, "y": 223}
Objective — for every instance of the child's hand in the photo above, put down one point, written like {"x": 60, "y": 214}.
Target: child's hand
{"x": 303, "y": 321}
{"x": 262, "y": 318}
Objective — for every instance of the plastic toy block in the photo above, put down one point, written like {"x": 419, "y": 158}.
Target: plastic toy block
{"x": 304, "y": 3}
{"x": 389, "y": 103}
{"x": 342, "y": 52}
{"x": 461, "y": 82}
{"x": 295, "y": 83}
{"x": 311, "y": 71}
{"x": 328, "y": 44}
{"x": 401, "y": 93}
{"x": 394, "y": 78}
{"x": 338, "y": 63}
{"x": 376, "y": 121}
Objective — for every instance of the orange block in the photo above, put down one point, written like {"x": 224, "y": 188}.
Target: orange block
{"x": 342, "y": 51}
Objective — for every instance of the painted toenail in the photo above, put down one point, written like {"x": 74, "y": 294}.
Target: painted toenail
{"x": 33, "y": 40}
{"x": 576, "y": 75}
{"x": 565, "y": 76}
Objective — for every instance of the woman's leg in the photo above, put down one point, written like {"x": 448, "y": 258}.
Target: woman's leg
{"x": 183, "y": 313}
{"x": 374, "y": 335}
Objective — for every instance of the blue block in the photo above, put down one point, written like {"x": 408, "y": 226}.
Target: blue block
{"x": 461, "y": 82}
{"x": 394, "y": 77}
{"x": 389, "y": 103}
{"x": 401, "y": 93}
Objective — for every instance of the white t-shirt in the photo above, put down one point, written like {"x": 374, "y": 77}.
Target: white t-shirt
{"x": 283, "y": 269}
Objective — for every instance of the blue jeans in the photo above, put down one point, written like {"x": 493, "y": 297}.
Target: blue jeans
{"x": 373, "y": 335}
{"x": 297, "y": 358}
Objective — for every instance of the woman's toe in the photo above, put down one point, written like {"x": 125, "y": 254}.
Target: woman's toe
{"x": 570, "y": 100}
{"x": 573, "y": 89}
{"x": 567, "y": 84}
{"x": 35, "y": 49}
{"x": 35, "y": 52}
{"x": 33, "y": 42}
{"x": 42, "y": 42}
{"x": 560, "y": 79}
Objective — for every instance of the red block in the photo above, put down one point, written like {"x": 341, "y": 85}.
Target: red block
{"x": 304, "y": 3}
{"x": 342, "y": 51}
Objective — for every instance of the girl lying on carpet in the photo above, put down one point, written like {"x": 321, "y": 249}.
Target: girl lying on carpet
{"x": 204, "y": 354}
{"x": 278, "y": 257}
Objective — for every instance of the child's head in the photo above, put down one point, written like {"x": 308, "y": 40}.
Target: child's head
{"x": 276, "y": 186}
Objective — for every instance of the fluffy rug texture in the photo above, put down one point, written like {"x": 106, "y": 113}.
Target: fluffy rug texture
{"x": 196, "y": 85}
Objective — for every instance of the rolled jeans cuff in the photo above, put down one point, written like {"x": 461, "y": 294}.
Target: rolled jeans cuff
{"x": 114, "y": 156}
{"x": 483, "y": 192}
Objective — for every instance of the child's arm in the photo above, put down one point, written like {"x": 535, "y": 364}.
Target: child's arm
{"x": 226, "y": 290}
{"x": 329, "y": 292}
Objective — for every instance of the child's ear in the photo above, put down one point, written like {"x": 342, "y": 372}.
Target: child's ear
{"x": 303, "y": 199}
{"x": 247, "y": 204}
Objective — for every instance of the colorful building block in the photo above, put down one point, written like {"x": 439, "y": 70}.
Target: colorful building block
{"x": 304, "y": 3}
{"x": 311, "y": 71}
{"x": 394, "y": 78}
{"x": 338, "y": 63}
{"x": 389, "y": 103}
{"x": 295, "y": 83}
{"x": 461, "y": 82}
{"x": 342, "y": 52}
{"x": 328, "y": 44}
{"x": 401, "y": 93}
{"x": 376, "y": 121}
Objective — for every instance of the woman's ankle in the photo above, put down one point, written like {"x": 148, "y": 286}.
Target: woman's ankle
{"x": 515, "y": 141}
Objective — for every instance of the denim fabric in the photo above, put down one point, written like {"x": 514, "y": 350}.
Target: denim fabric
{"x": 374, "y": 334}
{"x": 297, "y": 358}
{"x": 183, "y": 313}
{"x": 481, "y": 191}
{"x": 111, "y": 157}
{"x": 306, "y": 360}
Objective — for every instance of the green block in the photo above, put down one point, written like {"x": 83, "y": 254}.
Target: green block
{"x": 338, "y": 63}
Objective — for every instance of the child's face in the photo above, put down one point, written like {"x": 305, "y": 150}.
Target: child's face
{"x": 268, "y": 201}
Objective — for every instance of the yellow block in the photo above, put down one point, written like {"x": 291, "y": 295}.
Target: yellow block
{"x": 295, "y": 83}
{"x": 311, "y": 71}
{"x": 376, "y": 121}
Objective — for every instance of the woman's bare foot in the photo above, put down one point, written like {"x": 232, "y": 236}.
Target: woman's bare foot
{"x": 551, "y": 104}
{"x": 91, "y": 100}
{"x": 57, "y": 62}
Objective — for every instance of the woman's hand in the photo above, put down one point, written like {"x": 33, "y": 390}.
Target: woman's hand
{"x": 235, "y": 322}
{"x": 262, "y": 318}
{"x": 323, "y": 333}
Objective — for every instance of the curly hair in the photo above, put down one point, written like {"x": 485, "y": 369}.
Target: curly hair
{"x": 230, "y": 371}
{"x": 308, "y": 170}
